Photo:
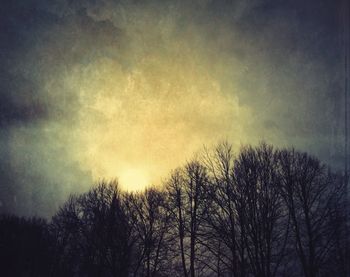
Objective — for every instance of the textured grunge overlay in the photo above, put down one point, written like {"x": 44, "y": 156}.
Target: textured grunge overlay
{"x": 131, "y": 89}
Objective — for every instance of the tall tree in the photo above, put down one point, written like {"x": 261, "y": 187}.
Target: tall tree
{"x": 151, "y": 227}
{"x": 186, "y": 193}
{"x": 264, "y": 218}
{"x": 310, "y": 191}
{"x": 223, "y": 236}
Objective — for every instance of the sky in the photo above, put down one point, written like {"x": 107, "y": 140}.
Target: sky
{"x": 105, "y": 89}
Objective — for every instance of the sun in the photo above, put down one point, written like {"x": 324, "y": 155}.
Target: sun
{"x": 134, "y": 178}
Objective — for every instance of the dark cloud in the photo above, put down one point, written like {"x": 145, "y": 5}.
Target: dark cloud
{"x": 19, "y": 101}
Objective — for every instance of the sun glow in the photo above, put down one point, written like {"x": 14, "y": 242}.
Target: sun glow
{"x": 136, "y": 179}
{"x": 136, "y": 125}
{"x": 142, "y": 111}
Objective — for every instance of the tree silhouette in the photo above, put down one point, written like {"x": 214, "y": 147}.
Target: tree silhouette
{"x": 259, "y": 212}
{"x": 94, "y": 233}
{"x": 151, "y": 219}
{"x": 225, "y": 231}
{"x": 186, "y": 189}
{"x": 247, "y": 215}
{"x": 311, "y": 193}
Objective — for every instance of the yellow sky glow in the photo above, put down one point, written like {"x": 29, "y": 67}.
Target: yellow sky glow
{"x": 140, "y": 124}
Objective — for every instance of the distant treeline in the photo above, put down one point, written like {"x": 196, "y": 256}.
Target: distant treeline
{"x": 261, "y": 212}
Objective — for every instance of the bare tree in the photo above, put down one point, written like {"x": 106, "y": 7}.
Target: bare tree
{"x": 187, "y": 204}
{"x": 260, "y": 206}
{"x": 64, "y": 228}
{"x": 95, "y": 233}
{"x": 310, "y": 191}
{"x": 262, "y": 212}
{"x": 223, "y": 236}
{"x": 176, "y": 194}
{"x": 151, "y": 227}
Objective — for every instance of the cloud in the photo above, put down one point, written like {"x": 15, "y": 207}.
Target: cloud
{"x": 130, "y": 89}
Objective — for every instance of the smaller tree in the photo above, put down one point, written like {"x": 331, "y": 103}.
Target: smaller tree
{"x": 94, "y": 233}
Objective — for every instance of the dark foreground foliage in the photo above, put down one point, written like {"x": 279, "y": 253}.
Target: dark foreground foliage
{"x": 263, "y": 212}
